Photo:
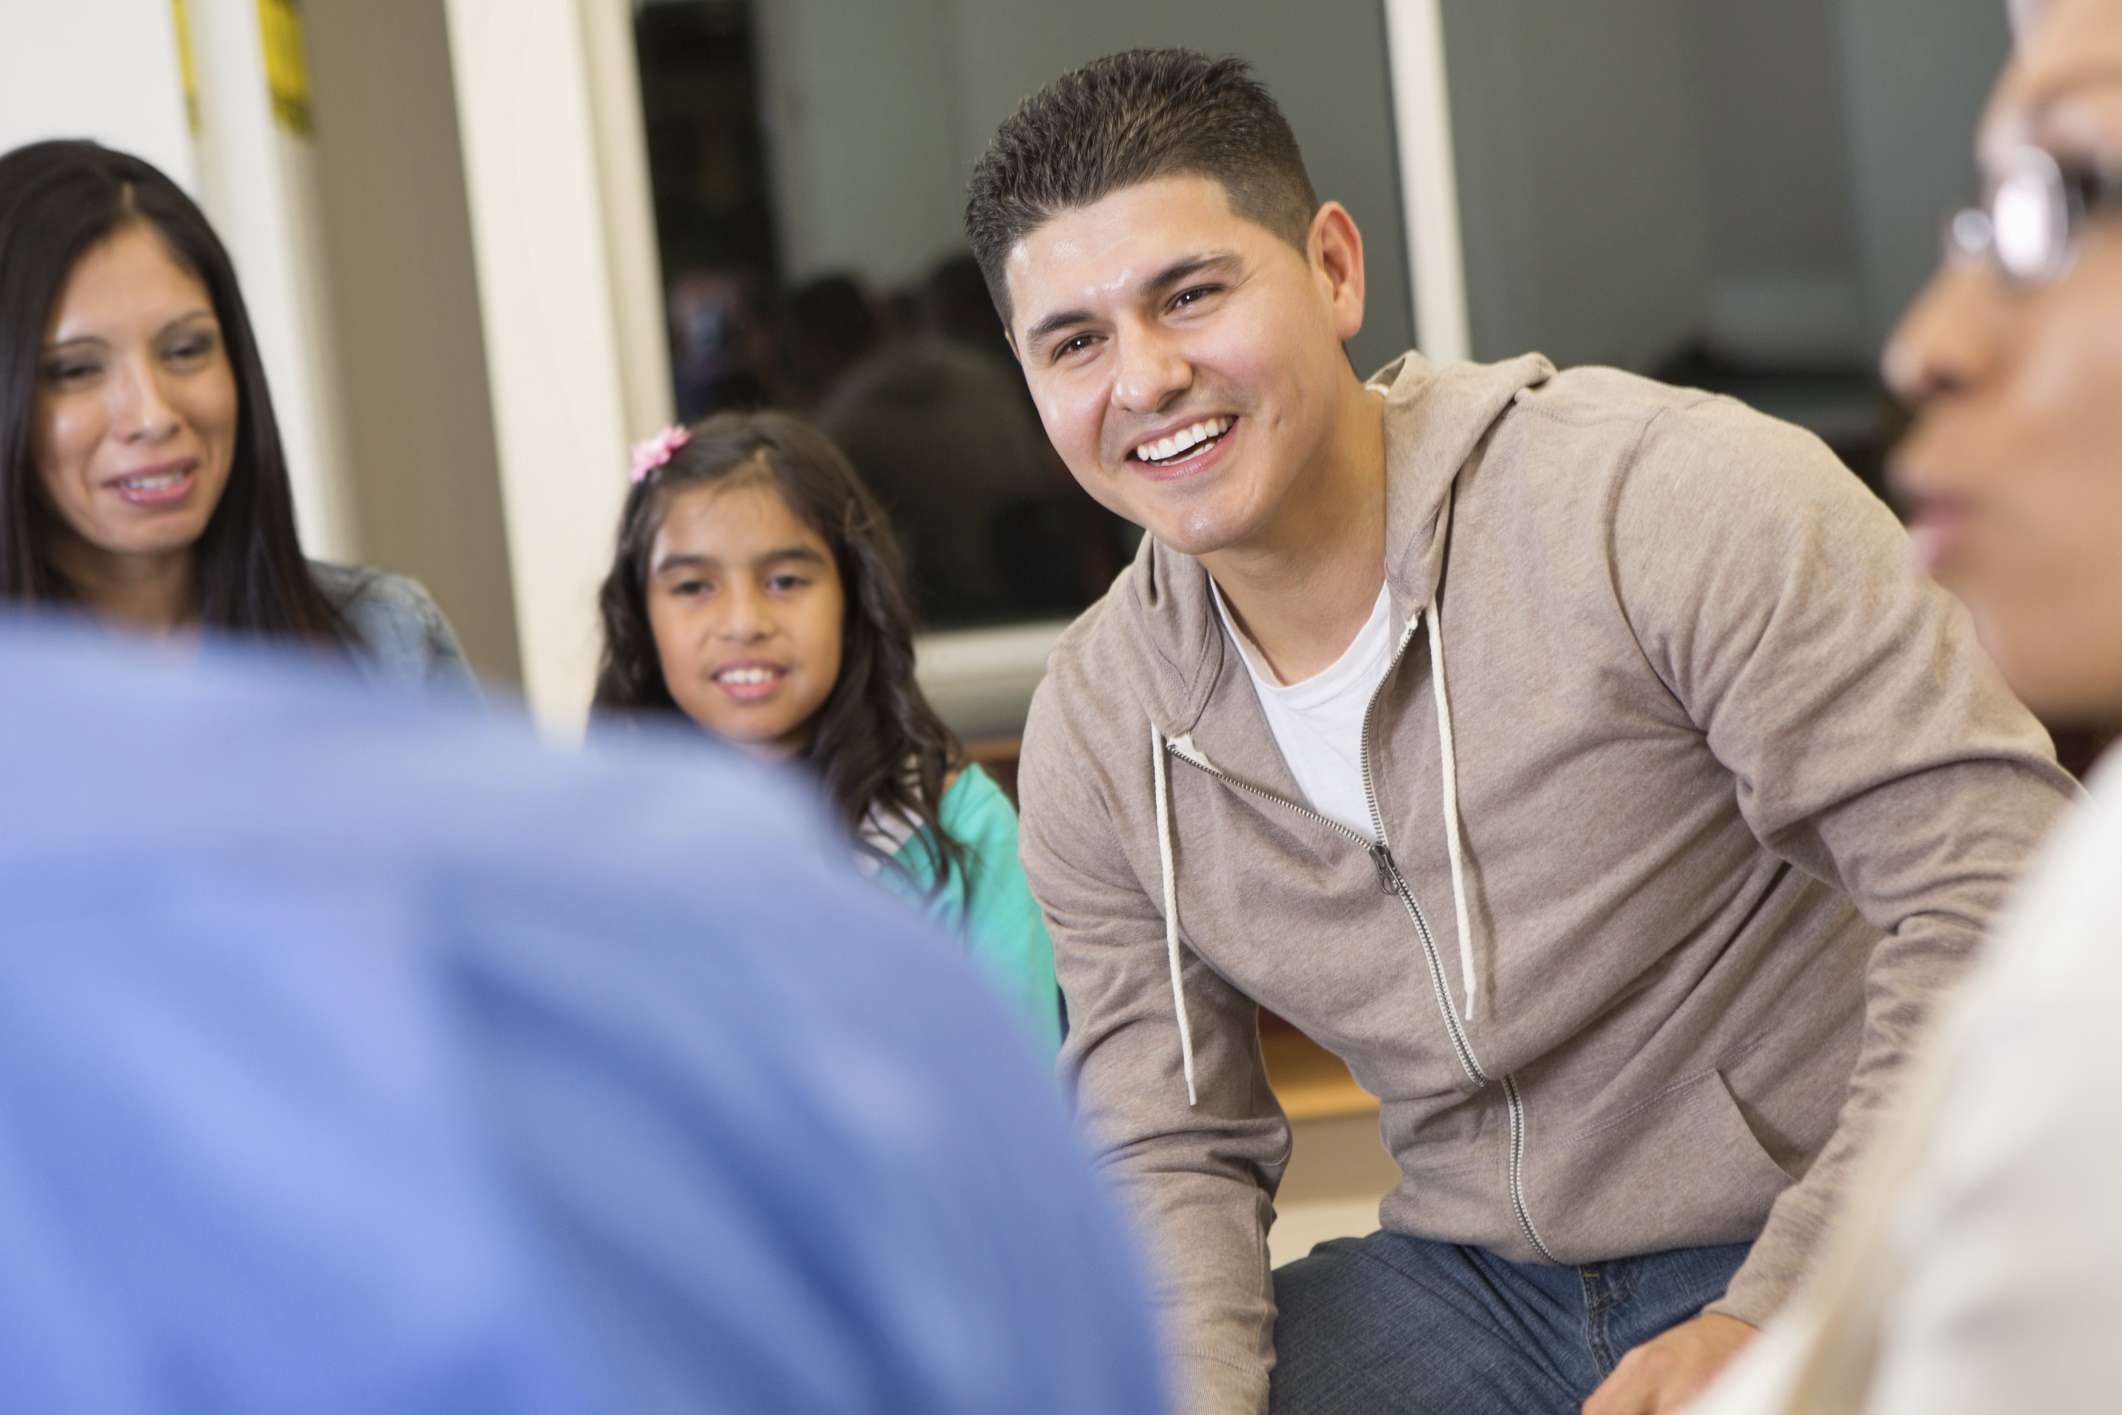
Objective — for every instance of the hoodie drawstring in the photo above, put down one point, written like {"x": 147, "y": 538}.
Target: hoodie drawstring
{"x": 1453, "y": 845}
{"x": 1171, "y": 904}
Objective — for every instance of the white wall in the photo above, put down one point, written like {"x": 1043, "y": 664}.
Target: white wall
{"x": 102, "y": 69}
{"x": 257, "y": 180}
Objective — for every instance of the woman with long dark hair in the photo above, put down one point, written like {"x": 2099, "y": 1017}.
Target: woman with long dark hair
{"x": 756, "y": 590}
{"x": 142, "y": 477}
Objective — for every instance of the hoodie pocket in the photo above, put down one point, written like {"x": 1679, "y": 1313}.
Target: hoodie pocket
{"x": 1680, "y": 1170}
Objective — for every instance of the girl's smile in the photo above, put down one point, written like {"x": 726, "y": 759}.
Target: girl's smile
{"x": 750, "y": 681}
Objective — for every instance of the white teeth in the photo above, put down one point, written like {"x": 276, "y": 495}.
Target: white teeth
{"x": 1166, "y": 448}
{"x": 153, "y": 483}
{"x": 746, "y": 676}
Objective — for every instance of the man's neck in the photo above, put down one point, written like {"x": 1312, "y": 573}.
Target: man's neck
{"x": 154, "y": 594}
{"x": 1304, "y": 590}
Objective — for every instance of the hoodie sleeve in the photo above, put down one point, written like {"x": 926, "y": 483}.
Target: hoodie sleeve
{"x": 1872, "y": 742}
{"x": 1198, "y": 1179}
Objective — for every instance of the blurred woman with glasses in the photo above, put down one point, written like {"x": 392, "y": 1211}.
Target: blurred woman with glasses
{"x": 1978, "y": 1267}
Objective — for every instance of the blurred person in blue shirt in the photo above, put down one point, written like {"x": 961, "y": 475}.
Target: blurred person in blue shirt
{"x": 358, "y": 1053}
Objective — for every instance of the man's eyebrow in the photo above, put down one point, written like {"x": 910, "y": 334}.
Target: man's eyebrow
{"x": 1173, "y": 274}
{"x": 1184, "y": 270}
{"x": 1053, "y": 324}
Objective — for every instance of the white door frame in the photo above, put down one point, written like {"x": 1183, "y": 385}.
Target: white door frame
{"x": 555, "y": 164}
{"x": 1429, "y": 184}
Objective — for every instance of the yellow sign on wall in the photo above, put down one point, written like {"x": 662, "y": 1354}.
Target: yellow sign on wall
{"x": 186, "y": 70}
{"x": 286, "y": 71}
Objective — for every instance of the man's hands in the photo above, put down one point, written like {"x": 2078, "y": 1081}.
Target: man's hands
{"x": 1662, "y": 1375}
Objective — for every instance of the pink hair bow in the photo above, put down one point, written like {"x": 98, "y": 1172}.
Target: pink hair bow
{"x": 657, "y": 450}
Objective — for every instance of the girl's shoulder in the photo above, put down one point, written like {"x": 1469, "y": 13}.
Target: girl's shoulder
{"x": 395, "y": 623}
{"x": 974, "y": 801}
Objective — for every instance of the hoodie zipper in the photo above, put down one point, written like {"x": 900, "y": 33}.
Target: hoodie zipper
{"x": 1391, "y": 881}
{"x": 1389, "y": 875}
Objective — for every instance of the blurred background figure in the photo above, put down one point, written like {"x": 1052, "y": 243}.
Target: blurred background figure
{"x": 945, "y": 434}
{"x": 1979, "y": 1263}
{"x": 826, "y": 327}
{"x": 722, "y": 345}
{"x": 141, "y": 471}
{"x": 954, "y": 305}
{"x": 361, "y": 1056}
{"x": 944, "y": 427}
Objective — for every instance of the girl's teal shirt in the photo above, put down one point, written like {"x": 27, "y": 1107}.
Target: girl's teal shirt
{"x": 993, "y": 911}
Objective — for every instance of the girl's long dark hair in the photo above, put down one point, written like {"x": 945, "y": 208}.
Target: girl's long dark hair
{"x": 57, "y": 200}
{"x": 876, "y": 742}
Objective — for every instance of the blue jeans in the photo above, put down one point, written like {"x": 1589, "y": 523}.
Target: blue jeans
{"x": 1390, "y": 1323}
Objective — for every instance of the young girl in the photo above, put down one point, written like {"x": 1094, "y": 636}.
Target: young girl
{"x": 757, "y": 590}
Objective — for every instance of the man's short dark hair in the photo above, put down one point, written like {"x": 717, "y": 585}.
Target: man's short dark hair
{"x": 1130, "y": 118}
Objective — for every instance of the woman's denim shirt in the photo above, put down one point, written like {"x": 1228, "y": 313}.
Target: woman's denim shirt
{"x": 399, "y": 631}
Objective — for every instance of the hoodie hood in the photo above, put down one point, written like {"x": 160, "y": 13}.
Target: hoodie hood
{"x": 1435, "y": 416}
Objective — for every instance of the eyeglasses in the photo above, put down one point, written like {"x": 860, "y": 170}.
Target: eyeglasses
{"x": 2028, "y": 229}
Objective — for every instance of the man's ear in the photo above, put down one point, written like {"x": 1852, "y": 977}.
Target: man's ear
{"x": 1335, "y": 249}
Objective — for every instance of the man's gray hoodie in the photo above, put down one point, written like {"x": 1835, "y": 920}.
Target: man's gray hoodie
{"x": 1691, "y": 798}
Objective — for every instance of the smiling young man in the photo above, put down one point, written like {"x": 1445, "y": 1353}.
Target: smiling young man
{"x": 1570, "y": 754}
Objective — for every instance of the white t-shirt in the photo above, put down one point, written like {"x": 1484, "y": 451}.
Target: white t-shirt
{"x": 1318, "y": 723}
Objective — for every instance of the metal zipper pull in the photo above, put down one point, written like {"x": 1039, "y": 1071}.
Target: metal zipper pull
{"x": 1388, "y": 868}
